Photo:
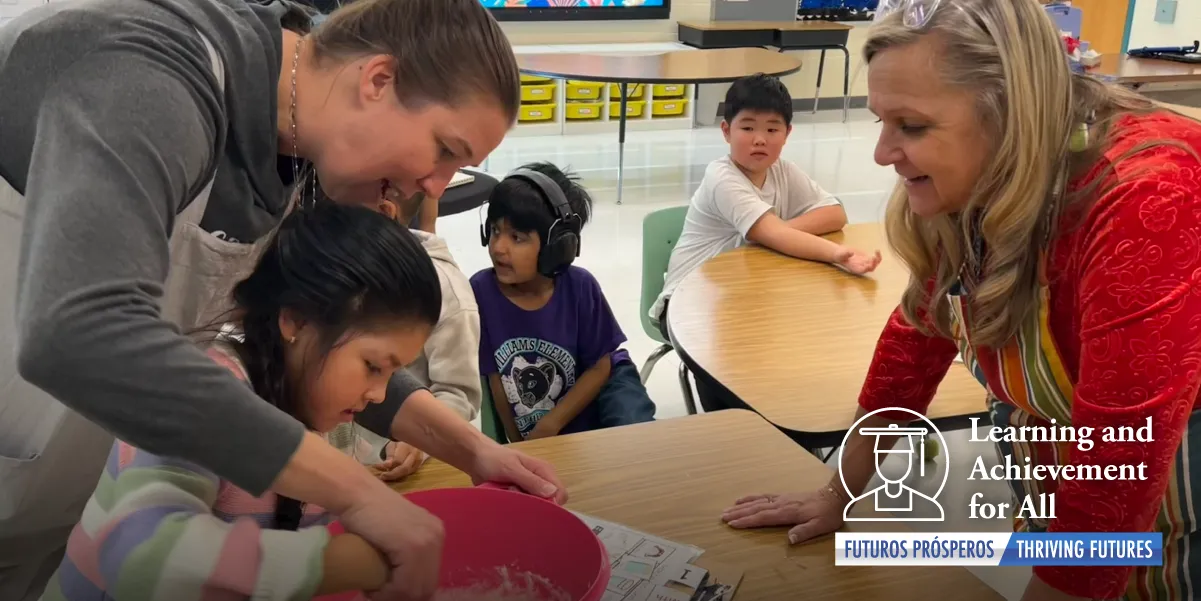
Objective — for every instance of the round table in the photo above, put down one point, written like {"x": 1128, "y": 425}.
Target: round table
{"x": 793, "y": 339}
{"x": 678, "y": 66}
{"x": 468, "y": 196}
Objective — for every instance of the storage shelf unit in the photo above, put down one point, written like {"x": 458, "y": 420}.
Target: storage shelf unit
{"x": 551, "y": 106}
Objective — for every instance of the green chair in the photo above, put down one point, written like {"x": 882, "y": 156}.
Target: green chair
{"x": 660, "y": 232}
{"x": 490, "y": 423}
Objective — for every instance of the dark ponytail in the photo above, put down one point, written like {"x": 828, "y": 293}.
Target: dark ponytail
{"x": 342, "y": 270}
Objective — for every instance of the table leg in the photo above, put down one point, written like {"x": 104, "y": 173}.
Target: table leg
{"x": 846, "y": 82}
{"x": 686, "y": 389}
{"x": 821, "y": 65}
{"x": 706, "y": 98}
{"x": 621, "y": 140}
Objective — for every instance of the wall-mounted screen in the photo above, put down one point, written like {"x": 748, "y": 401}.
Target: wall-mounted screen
{"x": 836, "y": 10}
{"x": 577, "y": 10}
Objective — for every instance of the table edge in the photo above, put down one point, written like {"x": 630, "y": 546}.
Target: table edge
{"x": 700, "y": 26}
{"x": 654, "y": 80}
{"x": 651, "y": 80}
{"x": 809, "y": 438}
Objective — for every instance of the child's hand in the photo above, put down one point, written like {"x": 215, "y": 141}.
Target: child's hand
{"x": 403, "y": 460}
{"x": 855, "y": 261}
{"x": 545, "y": 428}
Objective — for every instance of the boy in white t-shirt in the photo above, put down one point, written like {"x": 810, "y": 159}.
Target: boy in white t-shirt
{"x": 752, "y": 195}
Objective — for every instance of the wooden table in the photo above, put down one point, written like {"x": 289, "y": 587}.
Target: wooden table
{"x": 672, "y": 479}
{"x": 785, "y": 35}
{"x": 680, "y": 66}
{"x": 1192, "y": 112}
{"x": 793, "y": 339}
{"x": 1137, "y": 72}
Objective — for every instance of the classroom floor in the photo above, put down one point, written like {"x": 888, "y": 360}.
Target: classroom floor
{"x": 663, "y": 169}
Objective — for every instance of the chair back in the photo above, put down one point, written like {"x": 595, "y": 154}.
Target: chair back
{"x": 490, "y": 423}
{"x": 660, "y": 232}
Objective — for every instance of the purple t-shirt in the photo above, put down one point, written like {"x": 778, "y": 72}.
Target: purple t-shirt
{"x": 540, "y": 354}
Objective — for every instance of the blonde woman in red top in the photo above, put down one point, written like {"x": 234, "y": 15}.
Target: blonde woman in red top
{"x": 1052, "y": 225}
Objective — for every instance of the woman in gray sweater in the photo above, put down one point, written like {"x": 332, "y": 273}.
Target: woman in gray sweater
{"x": 146, "y": 146}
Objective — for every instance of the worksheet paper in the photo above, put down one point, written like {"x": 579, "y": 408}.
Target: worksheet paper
{"x": 644, "y": 566}
{"x": 459, "y": 178}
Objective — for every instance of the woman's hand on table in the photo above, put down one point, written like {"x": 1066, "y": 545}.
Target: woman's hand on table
{"x": 810, "y": 514}
{"x": 403, "y": 460}
{"x": 856, "y": 261}
{"x": 502, "y": 465}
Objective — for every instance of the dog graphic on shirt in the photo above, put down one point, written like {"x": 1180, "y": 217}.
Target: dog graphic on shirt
{"x": 533, "y": 386}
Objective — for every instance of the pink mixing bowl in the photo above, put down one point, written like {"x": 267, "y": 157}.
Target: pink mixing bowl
{"x": 489, "y": 527}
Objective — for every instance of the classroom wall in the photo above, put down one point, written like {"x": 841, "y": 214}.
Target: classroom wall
{"x": 1144, "y": 31}
{"x": 802, "y": 84}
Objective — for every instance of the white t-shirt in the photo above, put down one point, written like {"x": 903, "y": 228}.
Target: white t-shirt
{"x": 727, "y": 205}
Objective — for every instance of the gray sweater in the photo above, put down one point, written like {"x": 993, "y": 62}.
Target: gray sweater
{"x": 110, "y": 121}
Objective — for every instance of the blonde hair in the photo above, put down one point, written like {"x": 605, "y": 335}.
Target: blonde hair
{"x": 447, "y": 51}
{"x": 1009, "y": 53}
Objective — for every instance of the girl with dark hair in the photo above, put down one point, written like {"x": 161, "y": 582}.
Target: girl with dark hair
{"x": 149, "y": 150}
{"x": 341, "y": 298}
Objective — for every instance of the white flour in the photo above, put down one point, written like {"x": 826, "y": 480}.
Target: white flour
{"x": 507, "y": 584}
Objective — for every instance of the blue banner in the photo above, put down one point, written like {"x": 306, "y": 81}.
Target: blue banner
{"x": 1083, "y": 549}
{"x": 998, "y": 548}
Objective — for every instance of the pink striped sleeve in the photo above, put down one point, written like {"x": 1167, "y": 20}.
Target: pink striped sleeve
{"x": 237, "y": 569}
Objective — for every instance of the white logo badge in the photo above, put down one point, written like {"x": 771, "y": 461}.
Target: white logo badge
{"x": 905, "y": 503}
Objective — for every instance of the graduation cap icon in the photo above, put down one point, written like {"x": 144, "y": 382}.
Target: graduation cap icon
{"x": 894, "y": 496}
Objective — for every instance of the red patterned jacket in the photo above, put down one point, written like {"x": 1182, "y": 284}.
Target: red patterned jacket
{"x": 1125, "y": 313}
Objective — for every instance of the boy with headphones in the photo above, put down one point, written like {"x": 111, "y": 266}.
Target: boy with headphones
{"x": 550, "y": 346}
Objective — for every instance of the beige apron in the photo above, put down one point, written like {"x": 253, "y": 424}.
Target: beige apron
{"x": 50, "y": 456}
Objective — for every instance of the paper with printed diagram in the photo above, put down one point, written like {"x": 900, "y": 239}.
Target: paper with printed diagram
{"x": 646, "y": 567}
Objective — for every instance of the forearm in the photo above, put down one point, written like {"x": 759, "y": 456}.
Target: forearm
{"x": 113, "y": 360}
{"x": 320, "y": 474}
{"x": 424, "y": 422}
{"x": 820, "y": 221}
{"x": 906, "y": 368}
{"x": 352, "y": 564}
{"x": 428, "y": 218}
{"x": 457, "y": 399}
{"x": 773, "y": 233}
{"x": 802, "y": 245}
{"x": 586, "y": 389}
{"x": 379, "y": 417}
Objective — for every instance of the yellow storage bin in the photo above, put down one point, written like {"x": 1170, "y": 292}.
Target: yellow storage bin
{"x": 669, "y": 108}
{"x": 634, "y": 108}
{"x": 533, "y": 79}
{"x": 584, "y": 111}
{"x": 538, "y": 92}
{"x": 584, "y": 90}
{"x": 671, "y": 90}
{"x": 635, "y": 90}
{"x": 533, "y": 113}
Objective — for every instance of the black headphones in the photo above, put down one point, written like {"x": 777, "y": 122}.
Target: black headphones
{"x": 562, "y": 243}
